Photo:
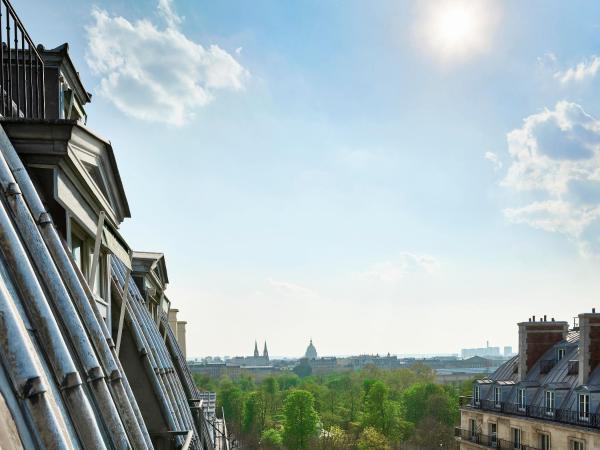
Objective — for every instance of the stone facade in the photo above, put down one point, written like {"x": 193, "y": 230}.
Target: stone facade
{"x": 561, "y": 436}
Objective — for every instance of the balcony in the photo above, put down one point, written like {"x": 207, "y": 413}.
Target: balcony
{"x": 565, "y": 416}
{"x": 489, "y": 441}
{"x": 22, "y": 84}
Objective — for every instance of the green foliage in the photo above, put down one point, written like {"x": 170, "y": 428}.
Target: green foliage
{"x": 254, "y": 413}
{"x": 301, "y": 419}
{"x": 431, "y": 400}
{"x": 371, "y": 439}
{"x": 382, "y": 414}
{"x": 303, "y": 369}
{"x": 334, "y": 439}
{"x": 389, "y": 408}
{"x": 231, "y": 399}
{"x": 271, "y": 439}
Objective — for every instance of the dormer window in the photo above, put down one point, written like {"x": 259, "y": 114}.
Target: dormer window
{"x": 584, "y": 407}
{"x": 521, "y": 399}
{"x": 497, "y": 396}
{"x": 549, "y": 403}
{"x": 560, "y": 354}
{"x": 476, "y": 394}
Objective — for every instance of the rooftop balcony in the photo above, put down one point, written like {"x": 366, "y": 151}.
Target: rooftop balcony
{"x": 566, "y": 416}
{"x": 490, "y": 441}
{"x": 22, "y": 83}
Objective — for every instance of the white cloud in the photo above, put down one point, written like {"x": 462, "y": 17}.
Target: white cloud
{"x": 494, "y": 159}
{"x": 292, "y": 290}
{"x": 157, "y": 74}
{"x": 583, "y": 70}
{"x": 407, "y": 263}
{"x": 555, "y": 155}
{"x": 165, "y": 9}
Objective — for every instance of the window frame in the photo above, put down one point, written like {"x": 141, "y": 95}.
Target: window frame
{"x": 517, "y": 437}
{"x": 497, "y": 396}
{"x": 493, "y": 433}
{"x": 521, "y": 399}
{"x": 477, "y": 394}
{"x": 560, "y": 353}
{"x": 586, "y": 413}
{"x": 549, "y": 402}
{"x": 576, "y": 444}
{"x": 545, "y": 442}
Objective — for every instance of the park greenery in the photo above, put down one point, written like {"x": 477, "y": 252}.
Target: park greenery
{"x": 370, "y": 409}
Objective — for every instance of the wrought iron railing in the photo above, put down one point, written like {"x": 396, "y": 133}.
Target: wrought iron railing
{"x": 22, "y": 84}
{"x": 490, "y": 441}
{"x": 569, "y": 416}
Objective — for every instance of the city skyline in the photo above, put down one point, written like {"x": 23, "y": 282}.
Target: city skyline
{"x": 390, "y": 178}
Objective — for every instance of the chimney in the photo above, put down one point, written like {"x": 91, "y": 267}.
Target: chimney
{"x": 535, "y": 338}
{"x": 589, "y": 344}
{"x": 173, "y": 320}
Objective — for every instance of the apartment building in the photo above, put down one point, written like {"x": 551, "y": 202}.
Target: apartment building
{"x": 546, "y": 397}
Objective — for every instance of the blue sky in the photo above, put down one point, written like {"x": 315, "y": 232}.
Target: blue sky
{"x": 334, "y": 171}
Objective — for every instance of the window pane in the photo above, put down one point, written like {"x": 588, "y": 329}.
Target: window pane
{"x": 76, "y": 250}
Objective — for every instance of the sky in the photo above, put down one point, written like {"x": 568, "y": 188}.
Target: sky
{"x": 391, "y": 176}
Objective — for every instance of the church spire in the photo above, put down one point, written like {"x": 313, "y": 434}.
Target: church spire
{"x": 256, "y": 354}
{"x": 266, "y": 352}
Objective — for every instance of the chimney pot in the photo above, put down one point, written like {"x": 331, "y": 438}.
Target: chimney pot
{"x": 533, "y": 319}
{"x": 545, "y": 318}
{"x": 593, "y": 310}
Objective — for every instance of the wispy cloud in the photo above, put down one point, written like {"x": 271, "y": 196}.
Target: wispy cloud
{"x": 494, "y": 159}
{"x": 289, "y": 289}
{"x": 555, "y": 155}
{"x": 582, "y": 71}
{"x": 400, "y": 268}
{"x": 157, "y": 73}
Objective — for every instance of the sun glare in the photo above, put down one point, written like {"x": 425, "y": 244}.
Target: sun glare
{"x": 457, "y": 29}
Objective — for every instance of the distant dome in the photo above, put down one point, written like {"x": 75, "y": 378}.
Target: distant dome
{"x": 311, "y": 351}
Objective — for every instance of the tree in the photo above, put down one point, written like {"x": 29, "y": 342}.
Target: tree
{"x": 301, "y": 419}
{"x": 231, "y": 399}
{"x": 254, "y": 418}
{"x": 334, "y": 439}
{"x": 371, "y": 439}
{"x": 383, "y": 414}
{"x": 303, "y": 369}
{"x": 271, "y": 388}
{"x": 430, "y": 400}
{"x": 271, "y": 440}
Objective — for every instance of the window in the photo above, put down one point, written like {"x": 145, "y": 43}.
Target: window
{"x": 577, "y": 445}
{"x": 77, "y": 250}
{"x": 544, "y": 442}
{"x": 516, "y": 435}
{"x": 549, "y": 403}
{"x": 497, "y": 396}
{"x": 521, "y": 399}
{"x": 476, "y": 394}
{"x": 560, "y": 354}
{"x": 584, "y": 407}
{"x": 494, "y": 434}
{"x": 473, "y": 428}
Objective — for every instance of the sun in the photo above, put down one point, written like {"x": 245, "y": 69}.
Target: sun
{"x": 457, "y": 29}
